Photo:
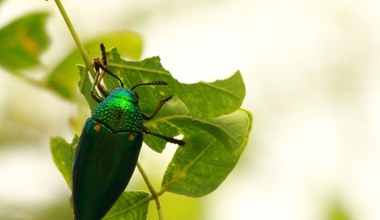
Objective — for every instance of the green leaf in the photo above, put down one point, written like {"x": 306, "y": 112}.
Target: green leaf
{"x": 130, "y": 205}
{"x": 203, "y": 163}
{"x": 64, "y": 78}
{"x": 23, "y": 40}
{"x": 175, "y": 118}
{"x": 63, "y": 155}
{"x": 203, "y": 99}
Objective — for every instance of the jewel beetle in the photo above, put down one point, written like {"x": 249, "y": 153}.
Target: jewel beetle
{"x": 109, "y": 145}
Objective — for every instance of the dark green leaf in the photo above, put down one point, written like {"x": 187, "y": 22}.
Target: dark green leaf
{"x": 130, "y": 205}
{"x": 64, "y": 78}
{"x": 203, "y": 163}
{"x": 63, "y": 155}
{"x": 22, "y": 41}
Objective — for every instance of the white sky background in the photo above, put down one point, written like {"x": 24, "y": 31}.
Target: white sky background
{"x": 311, "y": 72}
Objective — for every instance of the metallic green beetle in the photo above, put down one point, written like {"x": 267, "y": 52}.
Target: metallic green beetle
{"x": 109, "y": 146}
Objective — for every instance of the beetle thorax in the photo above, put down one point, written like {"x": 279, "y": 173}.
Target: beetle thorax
{"x": 119, "y": 111}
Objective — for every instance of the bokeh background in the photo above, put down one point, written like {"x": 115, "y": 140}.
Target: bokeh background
{"x": 312, "y": 77}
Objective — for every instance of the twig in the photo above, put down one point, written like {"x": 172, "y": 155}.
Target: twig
{"x": 152, "y": 191}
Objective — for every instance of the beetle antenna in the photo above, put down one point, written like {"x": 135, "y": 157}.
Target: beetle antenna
{"x": 159, "y": 82}
{"x": 114, "y": 75}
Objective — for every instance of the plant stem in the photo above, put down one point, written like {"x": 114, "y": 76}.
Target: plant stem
{"x": 77, "y": 41}
{"x": 152, "y": 191}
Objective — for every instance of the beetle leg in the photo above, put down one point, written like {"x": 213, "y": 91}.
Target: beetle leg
{"x": 97, "y": 80}
{"x": 166, "y": 138}
{"x": 158, "y": 107}
{"x": 105, "y": 69}
{"x": 101, "y": 68}
{"x": 96, "y": 96}
{"x": 103, "y": 90}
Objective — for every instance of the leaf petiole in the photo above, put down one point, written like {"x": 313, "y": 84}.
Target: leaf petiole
{"x": 153, "y": 192}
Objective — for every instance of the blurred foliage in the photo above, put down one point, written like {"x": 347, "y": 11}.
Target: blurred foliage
{"x": 178, "y": 207}
{"x": 56, "y": 211}
{"x": 59, "y": 210}
{"x": 337, "y": 212}
{"x": 23, "y": 41}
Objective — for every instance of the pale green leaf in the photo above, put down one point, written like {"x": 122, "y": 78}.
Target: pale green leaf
{"x": 63, "y": 155}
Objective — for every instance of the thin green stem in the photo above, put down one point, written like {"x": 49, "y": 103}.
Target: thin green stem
{"x": 77, "y": 41}
{"x": 152, "y": 191}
